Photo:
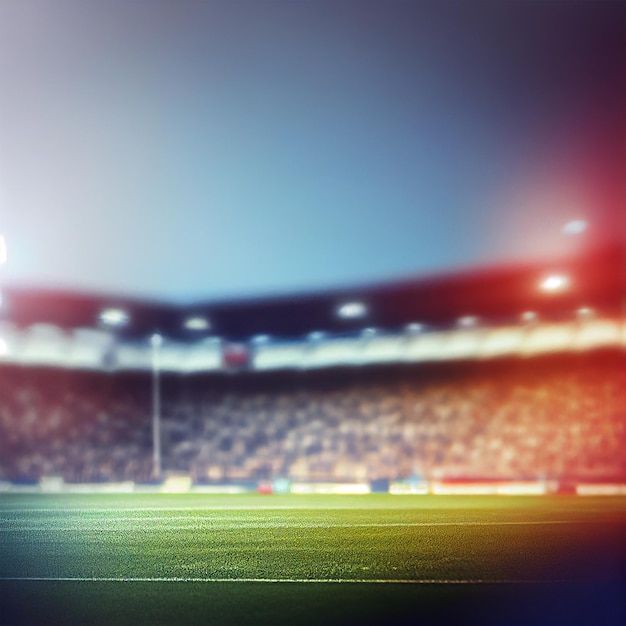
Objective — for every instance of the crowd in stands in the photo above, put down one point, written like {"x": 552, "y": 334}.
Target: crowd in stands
{"x": 83, "y": 427}
{"x": 561, "y": 419}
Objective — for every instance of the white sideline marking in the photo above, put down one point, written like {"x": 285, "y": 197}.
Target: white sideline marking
{"x": 161, "y": 509}
{"x": 209, "y": 509}
{"x": 89, "y": 525}
{"x": 377, "y": 581}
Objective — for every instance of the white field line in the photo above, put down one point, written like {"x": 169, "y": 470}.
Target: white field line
{"x": 134, "y": 518}
{"x": 88, "y": 525}
{"x": 377, "y": 581}
{"x": 206, "y": 509}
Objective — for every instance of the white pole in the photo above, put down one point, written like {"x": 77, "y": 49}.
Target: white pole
{"x": 156, "y": 340}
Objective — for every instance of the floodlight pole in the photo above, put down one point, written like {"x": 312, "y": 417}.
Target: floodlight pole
{"x": 155, "y": 341}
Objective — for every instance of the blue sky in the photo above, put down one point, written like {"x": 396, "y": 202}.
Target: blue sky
{"x": 191, "y": 150}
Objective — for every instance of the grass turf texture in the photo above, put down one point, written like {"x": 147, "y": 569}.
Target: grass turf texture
{"x": 175, "y": 559}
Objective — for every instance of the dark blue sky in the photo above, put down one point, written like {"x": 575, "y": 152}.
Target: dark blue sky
{"x": 211, "y": 149}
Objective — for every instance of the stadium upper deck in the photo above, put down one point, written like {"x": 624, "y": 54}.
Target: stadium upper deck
{"x": 547, "y": 307}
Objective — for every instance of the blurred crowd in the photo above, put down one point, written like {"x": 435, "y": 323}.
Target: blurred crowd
{"x": 561, "y": 419}
{"x": 83, "y": 427}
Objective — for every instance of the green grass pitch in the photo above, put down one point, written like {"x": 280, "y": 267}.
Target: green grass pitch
{"x": 287, "y": 559}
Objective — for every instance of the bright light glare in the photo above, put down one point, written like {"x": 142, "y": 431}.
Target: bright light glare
{"x": 575, "y": 227}
{"x": 554, "y": 283}
{"x": 156, "y": 340}
{"x": 197, "y": 323}
{"x": 352, "y": 310}
{"x": 4, "y": 348}
{"x": 114, "y": 317}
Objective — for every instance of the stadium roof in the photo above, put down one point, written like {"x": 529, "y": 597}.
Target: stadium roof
{"x": 503, "y": 294}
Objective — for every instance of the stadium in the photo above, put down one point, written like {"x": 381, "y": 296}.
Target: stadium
{"x": 312, "y": 313}
{"x": 355, "y": 472}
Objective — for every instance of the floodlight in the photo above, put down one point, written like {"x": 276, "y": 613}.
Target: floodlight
{"x": 554, "y": 283}
{"x": 352, "y": 310}
{"x": 197, "y": 322}
{"x": 114, "y": 317}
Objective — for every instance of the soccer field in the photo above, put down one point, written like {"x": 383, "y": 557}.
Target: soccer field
{"x": 251, "y": 559}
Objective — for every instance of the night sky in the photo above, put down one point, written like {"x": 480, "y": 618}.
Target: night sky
{"x": 190, "y": 150}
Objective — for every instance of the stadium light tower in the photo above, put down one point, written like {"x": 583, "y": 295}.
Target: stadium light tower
{"x": 156, "y": 341}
